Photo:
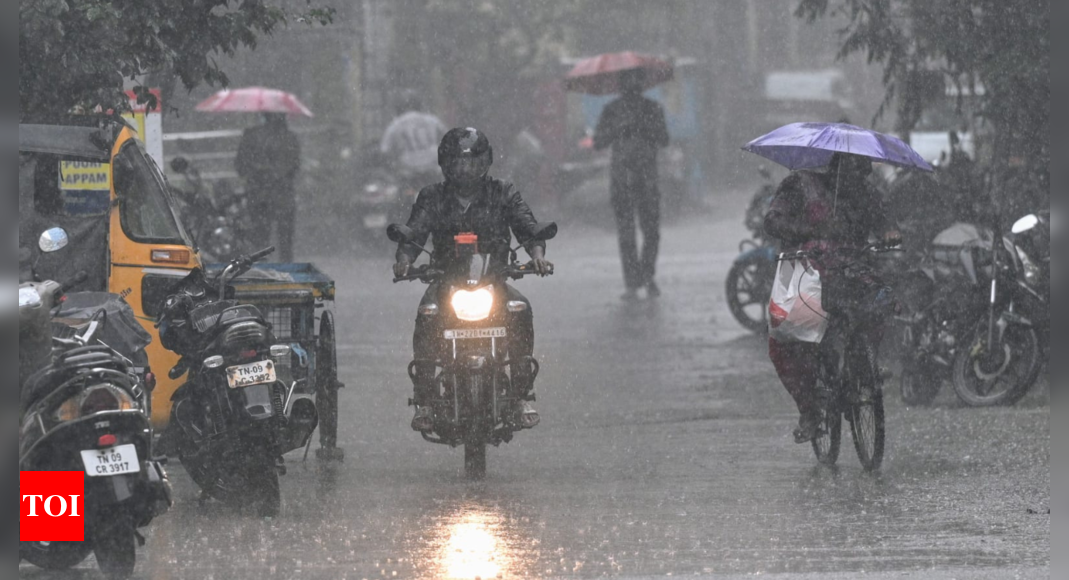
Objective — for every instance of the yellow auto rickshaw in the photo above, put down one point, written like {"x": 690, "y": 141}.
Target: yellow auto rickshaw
{"x": 91, "y": 179}
{"x": 92, "y": 200}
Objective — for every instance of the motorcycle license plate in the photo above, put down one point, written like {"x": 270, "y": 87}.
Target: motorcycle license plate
{"x": 464, "y": 333}
{"x": 118, "y": 460}
{"x": 247, "y": 375}
{"x": 375, "y": 220}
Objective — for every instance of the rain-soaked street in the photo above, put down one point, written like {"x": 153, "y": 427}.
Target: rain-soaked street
{"x": 664, "y": 450}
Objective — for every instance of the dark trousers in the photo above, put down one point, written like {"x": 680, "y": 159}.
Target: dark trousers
{"x": 268, "y": 214}
{"x": 427, "y": 344}
{"x": 635, "y": 196}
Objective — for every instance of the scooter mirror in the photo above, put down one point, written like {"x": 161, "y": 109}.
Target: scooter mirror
{"x": 399, "y": 233}
{"x": 53, "y": 240}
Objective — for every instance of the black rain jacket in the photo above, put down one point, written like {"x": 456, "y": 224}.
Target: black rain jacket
{"x": 494, "y": 215}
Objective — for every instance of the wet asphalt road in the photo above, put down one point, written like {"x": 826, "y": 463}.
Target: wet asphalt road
{"x": 664, "y": 450}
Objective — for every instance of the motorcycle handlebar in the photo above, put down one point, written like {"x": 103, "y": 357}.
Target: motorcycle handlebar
{"x": 256, "y": 257}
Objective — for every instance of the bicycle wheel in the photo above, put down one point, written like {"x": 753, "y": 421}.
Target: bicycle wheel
{"x": 865, "y": 407}
{"x": 826, "y": 445}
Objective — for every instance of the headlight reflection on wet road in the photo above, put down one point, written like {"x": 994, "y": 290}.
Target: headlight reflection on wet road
{"x": 473, "y": 542}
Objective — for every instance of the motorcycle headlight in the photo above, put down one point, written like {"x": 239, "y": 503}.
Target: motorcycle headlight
{"x": 473, "y": 305}
{"x": 98, "y": 399}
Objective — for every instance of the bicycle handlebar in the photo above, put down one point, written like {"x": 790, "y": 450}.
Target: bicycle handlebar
{"x": 817, "y": 252}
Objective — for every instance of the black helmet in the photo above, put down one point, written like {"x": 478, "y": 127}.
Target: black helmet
{"x": 465, "y": 155}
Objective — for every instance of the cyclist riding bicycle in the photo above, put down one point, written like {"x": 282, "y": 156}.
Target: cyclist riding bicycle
{"x": 830, "y": 214}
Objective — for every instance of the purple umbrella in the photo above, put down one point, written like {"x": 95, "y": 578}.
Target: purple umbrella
{"x": 810, "y": 145}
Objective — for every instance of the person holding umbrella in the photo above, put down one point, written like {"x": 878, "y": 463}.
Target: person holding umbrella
{"x": 834, "y": 211}
{"x": 635, "y": 128}
{"x": 269, "y": 157}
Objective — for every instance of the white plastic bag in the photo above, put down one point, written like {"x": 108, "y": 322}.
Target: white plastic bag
{"x": 795, "y": 313}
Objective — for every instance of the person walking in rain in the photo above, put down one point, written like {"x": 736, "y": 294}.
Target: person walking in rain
{"x": 269, "y": 157}
{"x": 411, "y": 140}
{"x": 635, "y": 128}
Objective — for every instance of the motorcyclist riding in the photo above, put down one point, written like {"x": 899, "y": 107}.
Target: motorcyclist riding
{"x": 469, "y": 200}
{"x": 831, "y": 214}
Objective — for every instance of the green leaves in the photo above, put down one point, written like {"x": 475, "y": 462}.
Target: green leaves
{"x": 76, "y": 53}
{"x": 1001, "y": 45}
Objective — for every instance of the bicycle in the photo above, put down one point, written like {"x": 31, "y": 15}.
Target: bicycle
{"x": 850, "y": 383}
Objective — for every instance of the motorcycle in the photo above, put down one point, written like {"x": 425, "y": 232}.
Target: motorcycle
{"x": 212, "y": 214}
{"x": 749, "y": 282}
{"x": 951, "y": 298}
{"x": 240, "y": 410}
{"x": 385, "y": 198}
{"x": 473, "y": 399}
{"x": 1003, "y": 355}
{"x": 87, "y": 409}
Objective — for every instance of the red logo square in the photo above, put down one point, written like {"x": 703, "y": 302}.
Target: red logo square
{"x": 52, "y": 506}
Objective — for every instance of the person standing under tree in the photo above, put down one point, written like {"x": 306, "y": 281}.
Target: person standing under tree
{"x": 635, "y": 128}
{"x": 269, "y": 157}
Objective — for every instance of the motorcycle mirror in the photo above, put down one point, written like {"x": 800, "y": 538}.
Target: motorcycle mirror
{"x": 1024, "y": 224}
{"x": 179, "y": 164}
{"x": 53, "y": 240}
{"x": 400, "y": 234}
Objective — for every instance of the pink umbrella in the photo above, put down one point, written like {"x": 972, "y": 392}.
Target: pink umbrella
{"x": 600, "y": 75}
{"x": 254, "y": 100}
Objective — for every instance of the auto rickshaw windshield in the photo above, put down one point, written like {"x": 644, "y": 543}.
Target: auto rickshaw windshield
{"x": 146, "y": 207}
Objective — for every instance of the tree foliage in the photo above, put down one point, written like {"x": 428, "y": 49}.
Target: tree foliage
{"x": 79, "y": 53}
{"x": 1002, "y": 46}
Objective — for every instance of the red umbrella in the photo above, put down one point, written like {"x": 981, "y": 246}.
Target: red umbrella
{"x": 600, "y": 75}
{"x": 254, "y": 100}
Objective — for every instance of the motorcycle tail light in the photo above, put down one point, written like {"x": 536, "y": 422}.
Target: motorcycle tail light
{"x": 251, "y": 353}
{"x": 98, "y": 399}
{"x": 107, "y": 441}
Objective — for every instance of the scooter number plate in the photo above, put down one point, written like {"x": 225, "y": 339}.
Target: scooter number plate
{"x": 118, "y": 460}
{"x": 464, "y": 333}
{"x": 257, "y": 373}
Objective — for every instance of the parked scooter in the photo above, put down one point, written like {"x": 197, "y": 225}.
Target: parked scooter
{"x": 212, "y": 214}
{"x": 88, "y": 410}
{"x": 237, "y": 413}
{"x": 474, "y": 400}
{"x": 749, "y": 282}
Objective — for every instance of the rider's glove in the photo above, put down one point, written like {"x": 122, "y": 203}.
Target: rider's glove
{"x": 400, "y": 269}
